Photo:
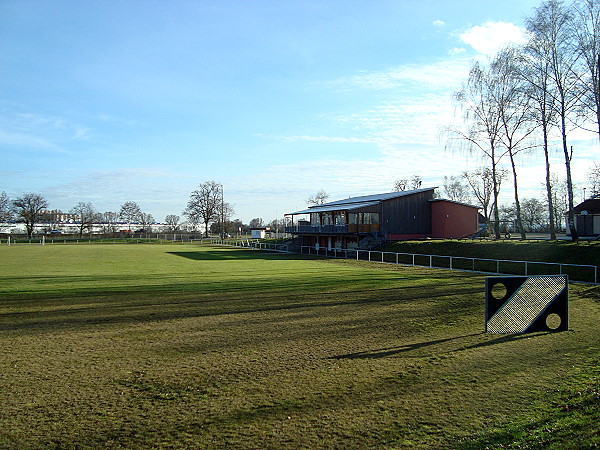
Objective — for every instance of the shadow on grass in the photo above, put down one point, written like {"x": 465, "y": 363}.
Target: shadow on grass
{"x": 221, "y": 255}
{"x": 392, "y": 351}
{"x": 140, "y": 304}
{"x": 509, "y": 338}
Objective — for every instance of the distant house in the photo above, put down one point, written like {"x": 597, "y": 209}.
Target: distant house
{"x": 587, "y": 217}
{"x": 400, "y": 215}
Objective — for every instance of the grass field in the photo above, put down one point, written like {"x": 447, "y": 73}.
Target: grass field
{"x": 185, "y": 346}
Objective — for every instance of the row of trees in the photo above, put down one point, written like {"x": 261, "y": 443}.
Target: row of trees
{"x": 32, "y": 209}
{"x": 531, "y": 95}
{"x": 206, "y": 210}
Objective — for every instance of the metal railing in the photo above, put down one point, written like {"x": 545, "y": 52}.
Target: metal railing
{"x": 576, "y": 272}
{"x": 333, "y": 229}
{"x": 247, "y": 243}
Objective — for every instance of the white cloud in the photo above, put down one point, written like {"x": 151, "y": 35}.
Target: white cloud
{"x": 23, "y": 140}
{"x": 434, "y": 76}
{"x": 457, "y": 51}
{"x": 439, "y": 23}
{"x": 490, "y": 37}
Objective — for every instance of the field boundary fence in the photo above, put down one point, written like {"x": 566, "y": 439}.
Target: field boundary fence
{"x": 576, "y": 272}
{"x": 99, "y": 238}
{"x": 248, "y": 243}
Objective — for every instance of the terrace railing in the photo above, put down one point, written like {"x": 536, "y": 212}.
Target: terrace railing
{"x": 333, "y": 229}
{"x": 576, "y": 272}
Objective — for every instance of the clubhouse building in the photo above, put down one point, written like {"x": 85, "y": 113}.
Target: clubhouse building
{"x": 402, "y": 215}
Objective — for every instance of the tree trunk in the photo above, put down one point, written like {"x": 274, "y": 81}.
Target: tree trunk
{"x": 495, "y": 203}
{"x": 597, "y": 81}
{"x": 517, "y": 203}
{"x": 29, "y": 227}
{"x": 570, "y": 213}
{"x": 549, "y": 185}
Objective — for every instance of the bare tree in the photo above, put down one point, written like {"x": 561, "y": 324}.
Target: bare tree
{"x": 594, "y": 179}
{"x": 534, "y": 63}
{"x": 30, "y": 209}
{"x": 533, "y": 214}
{"x": 224, "y": 213}
{"x": 560, "y": 199}
{"x": 86, "y": 216}
{"x": 456, "y": 190}
{"x": 318, "y": 199}
{"x": 551, "y": 28}
{"x": 6, "y": 211}
{"x": 403, "y": 184}
{"x": 110, "y": 221}
{"x": 515, "y": 118}
{"x": 204, "y": 204}
{"x": 416, "y": 182}
{"x": 258, "y": 222}
{"x": 146, "y": 220}
{"x": 482, "y": 186}
{"x": 587, "y": 33}
{"x": 130, "y": 212}
{"x": 172, "y": 222}
{"x": 482, "y": 119}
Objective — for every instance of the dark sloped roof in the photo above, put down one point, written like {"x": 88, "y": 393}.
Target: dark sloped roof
{"x": 378, "y": 197}
{"x": 591, "y": 205}
{"x": 453, "y": 201}
{"x": 359, "y": 202}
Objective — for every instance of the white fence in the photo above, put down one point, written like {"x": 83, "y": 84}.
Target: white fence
{"x": 576, "y": 272}
{"x": 247, "y": 243}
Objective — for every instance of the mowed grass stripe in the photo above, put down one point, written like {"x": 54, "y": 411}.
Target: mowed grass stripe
{"x": 261, "y": 350}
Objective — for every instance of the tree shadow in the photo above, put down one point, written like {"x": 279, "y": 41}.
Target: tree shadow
{"x": 392, "y": 351}
{"x": 220, "y": 255}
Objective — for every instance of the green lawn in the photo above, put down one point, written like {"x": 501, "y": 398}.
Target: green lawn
{"x": 179, "y": 346}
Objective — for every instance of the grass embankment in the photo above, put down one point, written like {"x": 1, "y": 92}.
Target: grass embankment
{"x": 567, "y": 252}
{"x": 191, "y": 346}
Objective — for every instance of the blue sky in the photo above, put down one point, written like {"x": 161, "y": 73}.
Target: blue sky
{"x": 114, "y": 101}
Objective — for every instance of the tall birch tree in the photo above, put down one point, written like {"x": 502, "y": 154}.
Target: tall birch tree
{"x": 551, "y": 26}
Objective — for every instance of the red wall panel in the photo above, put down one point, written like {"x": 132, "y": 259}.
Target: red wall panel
{"x": 452, "y": 220}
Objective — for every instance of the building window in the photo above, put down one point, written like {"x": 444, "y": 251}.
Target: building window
{"x": 371, "y": 218}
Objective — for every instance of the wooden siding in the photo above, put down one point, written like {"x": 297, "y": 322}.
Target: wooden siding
{"x": 409, "y": 215}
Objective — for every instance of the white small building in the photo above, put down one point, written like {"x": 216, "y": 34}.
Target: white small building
{"x": 258, "y": 233}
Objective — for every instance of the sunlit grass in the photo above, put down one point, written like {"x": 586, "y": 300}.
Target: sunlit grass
{"x": 189, "y": 346}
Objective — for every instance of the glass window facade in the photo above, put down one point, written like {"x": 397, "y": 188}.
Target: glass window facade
{"x": 363, "y": 218}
